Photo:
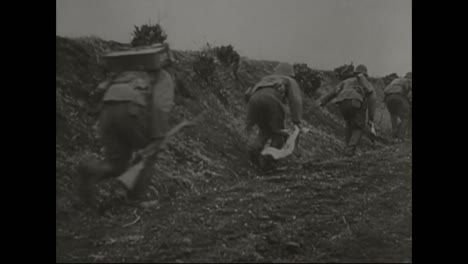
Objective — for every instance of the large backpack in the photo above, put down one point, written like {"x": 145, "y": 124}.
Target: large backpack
{"x": 277, "y": 82}
{"x": 399, "y": 86}
{"x": 132, "y": 86}
{"x": 349, "y": 92}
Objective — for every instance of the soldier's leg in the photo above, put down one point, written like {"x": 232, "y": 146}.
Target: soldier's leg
{"x": 395, "y": 123}
{"x": 255, "y": 147}
{"x": 348, "y": 132}
{"x": 138, "y": 134}
{"x": 278, "y": 140}
{"x": 357, "y": 122}
{"x": 138, "y": 192}
{"x": 276, "y": 126}
{"x": 93, "y": 171}
{"x": 392, "y": 106}
{"x": 356, "y": 135}
{"x": 402, "y": 128}
{"x": 117, "y": 153}
{"x": 251, "y": 120}
{"x": 264, "y": 136}
{"x": 348, "y": 111}
{"x": 263, "y": 112}
{"x": 118, "y": 145}
{"x": 404, "y": 114}
{"x": 273, "y": 124}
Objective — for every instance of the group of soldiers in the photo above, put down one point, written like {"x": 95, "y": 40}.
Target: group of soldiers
{"x": 355, "y": 97}
{"x": 136, "y": 105}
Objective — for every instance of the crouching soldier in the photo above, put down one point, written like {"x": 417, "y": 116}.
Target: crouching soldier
{"x": 354, "y": 96}
{"x": 398, "y": 97}
{"x": 267, "y": 109}
{"x": 134, "y": 116}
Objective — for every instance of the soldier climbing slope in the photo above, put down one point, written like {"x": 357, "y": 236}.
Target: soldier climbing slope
{"x": 267, "y": 108}
{"x": 136, "y": 105}
{"x": 354, "y": 96}
{"x": 398, "y": 98}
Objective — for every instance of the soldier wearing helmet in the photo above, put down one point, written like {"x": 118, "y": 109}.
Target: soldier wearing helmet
{"x": 354, "y": 96}
{"x": 398, "y": 98}
{"x": 267, "y": 108}
{"x": 134, "y": 116}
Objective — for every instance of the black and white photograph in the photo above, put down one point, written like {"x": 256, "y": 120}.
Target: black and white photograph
{"x": 234, "y": 131}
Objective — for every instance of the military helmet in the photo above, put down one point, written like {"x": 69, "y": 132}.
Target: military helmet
{"x": 409, "y": 75}
{"x": 360, "y": 69}
{"x": 284, "y": 69}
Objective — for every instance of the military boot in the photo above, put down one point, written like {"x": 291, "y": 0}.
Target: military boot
{"x": 90, "y": 172}
{"x": 350, "y": 151}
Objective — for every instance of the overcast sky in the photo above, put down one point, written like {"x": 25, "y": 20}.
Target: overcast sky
{"x": 322, "y": 33}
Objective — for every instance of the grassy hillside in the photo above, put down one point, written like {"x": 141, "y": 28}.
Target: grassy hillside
{"x": 199, "y": 161}
{"x": 220, "y": 139}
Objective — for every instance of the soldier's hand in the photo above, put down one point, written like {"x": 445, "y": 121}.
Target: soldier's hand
{"x": 137, "y": 156}
{"x": 372, "y": 127}
{"x": 362, "y": 76}
{"x": 298, "y": 125}
{"x": 318, "y": 103}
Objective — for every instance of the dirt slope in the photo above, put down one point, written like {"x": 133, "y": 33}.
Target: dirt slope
{"x": 213, "y": 206}
{"x": 340, "y": 210}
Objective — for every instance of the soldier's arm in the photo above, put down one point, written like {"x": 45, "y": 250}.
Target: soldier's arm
{"x": 327, "y": 98}
{"x": 368, "y": 87}
{"x": 295, "y": 101}
{"x": 372, "y": 105}
{"x": 162, "y": 100}
{"x": 97, "y": 94}
{"x": 371, "y": 96}
{"x": 248, "y": 93}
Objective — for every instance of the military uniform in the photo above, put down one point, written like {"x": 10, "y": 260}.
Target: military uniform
{"x": 398, "y": 96}
{"x": 354, "y": 96}
{"x": 267, "y": 107}
{"x": 135, "y": 113}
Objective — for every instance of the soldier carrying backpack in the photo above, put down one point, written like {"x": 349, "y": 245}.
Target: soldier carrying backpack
{"x": 354, "y": 96}
{"x": 267, "y": 108}
{"x": 398, "y": 97}
{"x": 134, "y": 115}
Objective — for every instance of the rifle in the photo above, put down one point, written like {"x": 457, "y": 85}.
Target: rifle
{"x": 131, "y": 175}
